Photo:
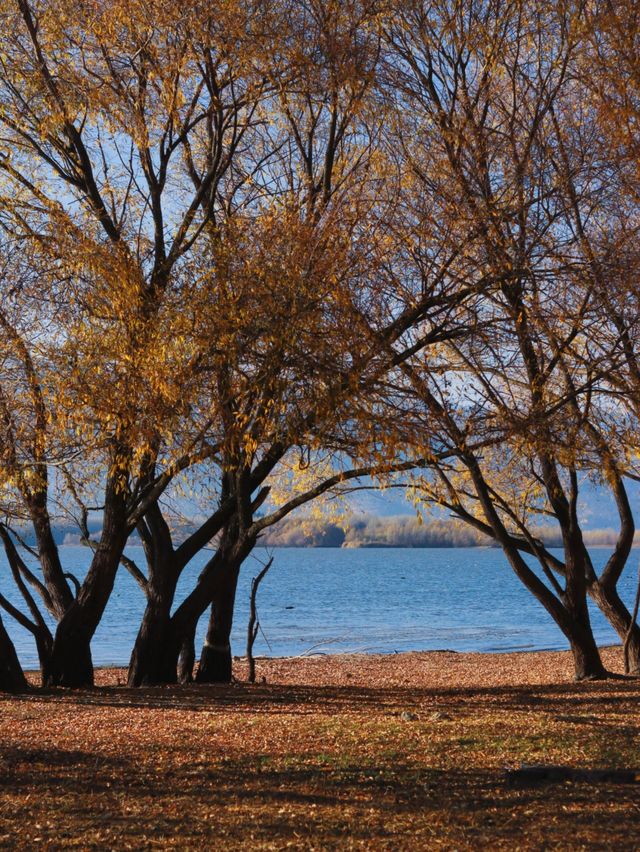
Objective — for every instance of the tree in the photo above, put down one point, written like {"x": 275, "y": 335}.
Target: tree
{"x": 481, "y": 85}
{"x": 12, "y": 678}
{"x": 305, "y": 266}
{"x": 101, "y": 109}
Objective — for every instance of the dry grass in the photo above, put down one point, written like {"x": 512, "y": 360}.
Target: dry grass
{"x": 396, "y": 752}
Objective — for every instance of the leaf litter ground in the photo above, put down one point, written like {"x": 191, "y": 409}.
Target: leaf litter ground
{"x": 407, "y": 751}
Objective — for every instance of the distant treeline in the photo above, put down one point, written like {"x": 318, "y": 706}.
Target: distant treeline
{"x": 364, "y": 531}
{"x": 402, "y": 531}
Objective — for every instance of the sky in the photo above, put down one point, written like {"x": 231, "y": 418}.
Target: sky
{"x": 596, "y": 507}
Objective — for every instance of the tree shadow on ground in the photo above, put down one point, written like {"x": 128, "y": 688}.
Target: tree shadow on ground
{"x": 175, "y": 787}
{"x": 322, "y": 801}
{"x": 581, "y": 700}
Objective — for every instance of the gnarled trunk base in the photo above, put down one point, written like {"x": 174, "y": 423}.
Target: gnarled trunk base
{"x": 70, "y": 664}
{"x": 215, "y": 664}
{"x": 148, "y": 665}
{"x": 587, "y": 664}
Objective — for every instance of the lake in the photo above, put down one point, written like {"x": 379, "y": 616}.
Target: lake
{"x": 326, "y": 600}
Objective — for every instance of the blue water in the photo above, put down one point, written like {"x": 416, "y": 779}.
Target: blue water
{"x": 339, "y": 600}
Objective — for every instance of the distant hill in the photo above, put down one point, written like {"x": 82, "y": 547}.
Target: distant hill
{"x": 400, "y": 531}
{"x": 358, "y": 531}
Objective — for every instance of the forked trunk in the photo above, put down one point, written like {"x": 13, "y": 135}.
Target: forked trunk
{"x": 219, "y": 572}
{"x": 147, "y": 666}
{"x": 70, "y": 664}
{"x": 614, "y": 610}
{"x": 569, "y": 609}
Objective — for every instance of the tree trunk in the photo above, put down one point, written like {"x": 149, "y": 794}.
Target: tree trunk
{"x": 147, "y": 666}
{"x": 586, "y": 657}
{"x": 44, "y": 646}
{"x": 254, "y": 624}
{"x": 215, "y": 659}
{"x": 184, "y": 620}
{"x": 12, "y": 677}
{"x": 49, "y": 558}
{"x": 70, "y": 664}
{"x": 568, "y": 610}
{"x": 614, "y": 610}
{"x": 187, "y": 659}
{"x": 575, "y": 624}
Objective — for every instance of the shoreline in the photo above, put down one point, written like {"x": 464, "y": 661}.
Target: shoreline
{"x": 439, "y": 669}
{"x": 338, "y": 655}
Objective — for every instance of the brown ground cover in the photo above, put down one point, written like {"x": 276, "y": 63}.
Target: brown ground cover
{"x": 409, "y": 751}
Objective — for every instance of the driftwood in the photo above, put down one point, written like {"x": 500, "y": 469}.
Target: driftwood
{"x": 254, "y": 624}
